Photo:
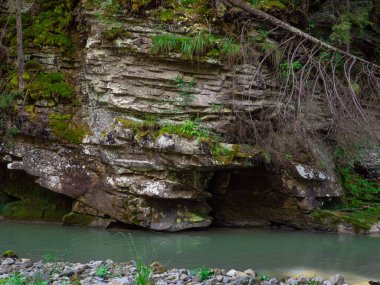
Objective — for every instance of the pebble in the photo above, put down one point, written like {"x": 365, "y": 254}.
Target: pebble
{"x": 184, "y": 277}
{"x": 250, "y": 272}
{"x": 8, "y": 261}
{"x": 240, "y": 274}
{"x": 336, "y": 279}
{"x": 217, "y": 271}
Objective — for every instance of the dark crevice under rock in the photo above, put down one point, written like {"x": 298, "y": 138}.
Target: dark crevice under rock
{"x": 22, "y": 198}
{"x": 249, "y": 197}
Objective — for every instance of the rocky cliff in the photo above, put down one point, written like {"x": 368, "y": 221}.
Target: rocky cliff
{"x": 143, "y": 142}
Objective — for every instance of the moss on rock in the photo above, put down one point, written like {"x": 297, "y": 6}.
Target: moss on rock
{"x": 63, "y": 126}
{"x": 360, "y": 219}
{"x": 78, "y": 219}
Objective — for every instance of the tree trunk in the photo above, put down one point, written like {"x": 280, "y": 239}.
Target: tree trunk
{"x": 20, "y": 50}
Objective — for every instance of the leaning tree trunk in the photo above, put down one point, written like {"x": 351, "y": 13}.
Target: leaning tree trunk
{"x": 20, "y": 50}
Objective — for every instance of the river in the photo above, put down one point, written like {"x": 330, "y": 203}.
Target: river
{"x": 270, "y": 252}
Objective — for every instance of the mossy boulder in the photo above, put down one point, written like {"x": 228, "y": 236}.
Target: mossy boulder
{"x": 75, "y": 219}
{"x": 9, "y": 253}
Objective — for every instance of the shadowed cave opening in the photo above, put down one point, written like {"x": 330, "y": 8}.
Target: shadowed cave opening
{"x": 22, "y": 198}
{"x": 249, "y": 198}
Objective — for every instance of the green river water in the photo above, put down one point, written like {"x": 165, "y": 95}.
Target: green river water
{"x": 270, "y": 252}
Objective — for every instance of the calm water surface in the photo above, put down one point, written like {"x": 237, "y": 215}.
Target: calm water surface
{"x": 271, "y": 252}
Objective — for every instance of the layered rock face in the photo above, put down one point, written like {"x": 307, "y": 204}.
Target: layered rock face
{"x": 134, "y": 169}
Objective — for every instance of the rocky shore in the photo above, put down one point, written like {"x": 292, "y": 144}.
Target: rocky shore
{"x": 20, "y": 271}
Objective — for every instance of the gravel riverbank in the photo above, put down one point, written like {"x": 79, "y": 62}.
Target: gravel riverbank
{"x": 111, "y": 273}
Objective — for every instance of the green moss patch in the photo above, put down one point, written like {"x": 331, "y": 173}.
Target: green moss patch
{"x": 49, "y": 27}
{"x": 150, "y": 124}
{"x": 78, "y": 219}
{"x": 9, "y": 253}
{"x": 66, "y": 129}
{"x": 359, "y": 191}
{"x": 267, "y": 5}
{"x": 360, "y": 219}
{"x": 167, "y": 15}
{"x": 44, "y": 85}
{"x": 26, "y": 200}
{"x": 114, "y": 33}
{"x": 49, "y": 85}
{"x": 25, "y": 210}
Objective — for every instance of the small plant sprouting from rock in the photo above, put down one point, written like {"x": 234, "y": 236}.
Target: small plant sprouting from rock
{"x": 49, "y": 257}
{"x": 15, "y": 279}
{"x": 314, "y": 282}
{"x": 18, "y": 279}
{"x": 186, "y": 89}
{"x": 188, "y": 129}
{"x": 264, "y": 278}
{"x": 194, "y": 129}
{"x": 202, "y": 272}
{"x": 218, "y": 149}
{"x": 101, "y": 271}
{"x": 143, "y": 273}
{"x": 37, "y": 279}
{"x": 7, "y": 99}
